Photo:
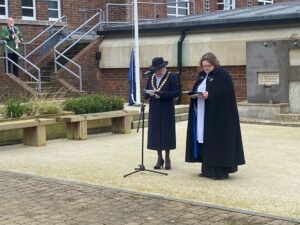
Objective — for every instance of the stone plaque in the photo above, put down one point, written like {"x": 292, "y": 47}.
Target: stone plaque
{"x": 268, "y": 78}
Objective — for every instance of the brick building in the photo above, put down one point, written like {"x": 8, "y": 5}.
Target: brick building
{"x": 100, "y": 76}
{"x": 273, "y": 30}
{"x": 34, "y": 15}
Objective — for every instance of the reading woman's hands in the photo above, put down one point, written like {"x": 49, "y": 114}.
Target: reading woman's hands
{"x": 205, "y": 95}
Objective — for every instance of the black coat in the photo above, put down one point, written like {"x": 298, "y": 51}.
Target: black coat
{"x": 222, "y": 145}
{"x": 161, "y": 123}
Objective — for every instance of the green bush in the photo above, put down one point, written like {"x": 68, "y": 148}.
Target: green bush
{"x": 15, "y": 108}
{"x": 93, "y": 104}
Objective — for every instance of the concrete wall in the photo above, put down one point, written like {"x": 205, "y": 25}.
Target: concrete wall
{"x": 274, "y": 57}
{"x": 294, "y": 96}
{"x": 271, "y": 59}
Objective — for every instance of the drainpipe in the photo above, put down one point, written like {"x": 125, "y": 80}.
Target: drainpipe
{"x": 179, "y": 62}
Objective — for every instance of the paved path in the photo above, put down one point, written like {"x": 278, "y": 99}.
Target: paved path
{"x": 268, "y": 183}
{"x": 33, "y": 200}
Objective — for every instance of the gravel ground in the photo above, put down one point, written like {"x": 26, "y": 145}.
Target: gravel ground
{"x": 268, "y": 183}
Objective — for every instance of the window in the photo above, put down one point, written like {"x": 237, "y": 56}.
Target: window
{"x": 206, "y": 6}
{"x": 3, "y": 9}
{"x": 265, "y": 2}
{"x": 54, "y": 11}
{"x": 249, "y": 3}
{"x": 226, "y": 4}
{"x": 28, "y": 10}
{"x": 177, "y": 8}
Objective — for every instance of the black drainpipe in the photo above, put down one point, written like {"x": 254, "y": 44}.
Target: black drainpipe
{"x": 179, "y": 62}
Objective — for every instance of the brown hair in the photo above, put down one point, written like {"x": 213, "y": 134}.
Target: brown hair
{"x": 211, "y": 58}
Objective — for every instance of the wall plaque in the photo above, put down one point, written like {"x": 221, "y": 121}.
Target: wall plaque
{"x": 268, "y": 78}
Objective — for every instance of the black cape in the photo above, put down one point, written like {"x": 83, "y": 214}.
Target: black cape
{"x": 222, "y": 145}
{"x": 161, "y": 123}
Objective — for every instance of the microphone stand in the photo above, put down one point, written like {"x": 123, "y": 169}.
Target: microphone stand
{"x": 142, "y": 167}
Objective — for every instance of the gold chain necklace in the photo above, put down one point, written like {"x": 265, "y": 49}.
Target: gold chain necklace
{"x": 160, "y": 86}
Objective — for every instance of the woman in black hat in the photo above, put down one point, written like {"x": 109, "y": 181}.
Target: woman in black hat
{"x": 162, "y": 87}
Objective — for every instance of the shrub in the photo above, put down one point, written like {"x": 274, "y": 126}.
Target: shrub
{"x": 43, "y": 107}
{"x": 93, "y": 104}
{"x": 15, "y": 108}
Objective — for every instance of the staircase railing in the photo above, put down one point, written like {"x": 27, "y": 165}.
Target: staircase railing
{"x": 58, "y": 54}
{"x": 62, "y": 19}
{"x": 6, "y": 58}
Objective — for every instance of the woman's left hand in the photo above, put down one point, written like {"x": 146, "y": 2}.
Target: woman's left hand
{"x": 205, "y": 95}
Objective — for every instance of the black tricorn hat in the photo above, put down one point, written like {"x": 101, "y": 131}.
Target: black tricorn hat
{"x": 157, "y": 63}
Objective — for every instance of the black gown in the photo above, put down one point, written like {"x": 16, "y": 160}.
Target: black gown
{"x": 161, "y": 123}
{"x": 222, "y": 149}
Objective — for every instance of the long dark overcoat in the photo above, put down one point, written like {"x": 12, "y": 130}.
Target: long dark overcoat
{"x": 222, "y": 145}
{"x": 161, "y": 123}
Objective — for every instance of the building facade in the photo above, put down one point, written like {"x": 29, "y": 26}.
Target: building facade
{"x": 34, "y": 15}
{"x": 108, "y": 75}
{"x": 258, "y": 46}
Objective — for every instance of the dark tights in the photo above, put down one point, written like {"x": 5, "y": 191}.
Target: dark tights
{"x": 160, "y": 156}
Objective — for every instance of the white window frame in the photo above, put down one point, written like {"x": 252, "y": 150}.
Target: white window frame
{"x": 228, "y": 4}
{"x": 34, "y": 11}
{"x": 265, "y": 2}
{"x": 206, "y": 7}
{"x": 249, "y": 3}
{"x": 6, "y": 10}
{"x": 58, "y": 9}
{"x": 175, "y": 6}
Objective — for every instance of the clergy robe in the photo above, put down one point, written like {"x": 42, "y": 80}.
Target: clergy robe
{"x": 222, "y": 147}
{"x": 161, "y": 123}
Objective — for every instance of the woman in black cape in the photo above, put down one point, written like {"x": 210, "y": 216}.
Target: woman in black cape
{"x": 213, "y": 133}
{"x": 162, "y": 87}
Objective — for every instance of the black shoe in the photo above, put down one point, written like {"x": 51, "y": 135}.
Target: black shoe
{"x": 159, "y": 164}
{"x": 168, "y": 164}
{"x": 221, "y": 178}
{"x": 201, "y": 175}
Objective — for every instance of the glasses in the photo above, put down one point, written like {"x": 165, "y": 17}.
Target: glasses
{"x": 206, "y": 66}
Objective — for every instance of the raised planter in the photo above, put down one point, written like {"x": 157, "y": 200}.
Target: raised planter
{"x": 261, "y": 110}
{"x": 15, "y": 136}
{"x": 54, "y": 131}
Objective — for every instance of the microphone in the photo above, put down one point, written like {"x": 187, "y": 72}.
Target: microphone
{"x": 148, "y": 73}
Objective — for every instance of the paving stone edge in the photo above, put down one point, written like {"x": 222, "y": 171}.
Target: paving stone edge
{"x": 75, "y": 182}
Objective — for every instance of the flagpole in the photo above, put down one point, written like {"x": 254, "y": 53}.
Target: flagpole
{"x": 137, "y": 53}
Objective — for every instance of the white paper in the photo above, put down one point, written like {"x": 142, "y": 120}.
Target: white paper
{"x": 150, "y": 92}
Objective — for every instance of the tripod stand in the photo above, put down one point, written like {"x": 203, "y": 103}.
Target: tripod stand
{"x": 141, "y": 167}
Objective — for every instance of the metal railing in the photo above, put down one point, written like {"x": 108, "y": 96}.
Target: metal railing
{"x": 191, "y": 9}
{"x": 62, "y": 19}
{"x": 58, "y": 54}
{"x": 6, "y": 58}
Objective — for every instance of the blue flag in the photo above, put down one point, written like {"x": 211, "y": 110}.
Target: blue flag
{"x": 131, "y": 80}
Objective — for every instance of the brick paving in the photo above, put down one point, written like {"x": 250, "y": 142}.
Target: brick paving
{"x": 33, "y": 200}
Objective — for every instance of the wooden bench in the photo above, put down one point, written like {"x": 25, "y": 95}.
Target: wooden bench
{"x": 76, "y": 125}
{"x": 34, "y": 130}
